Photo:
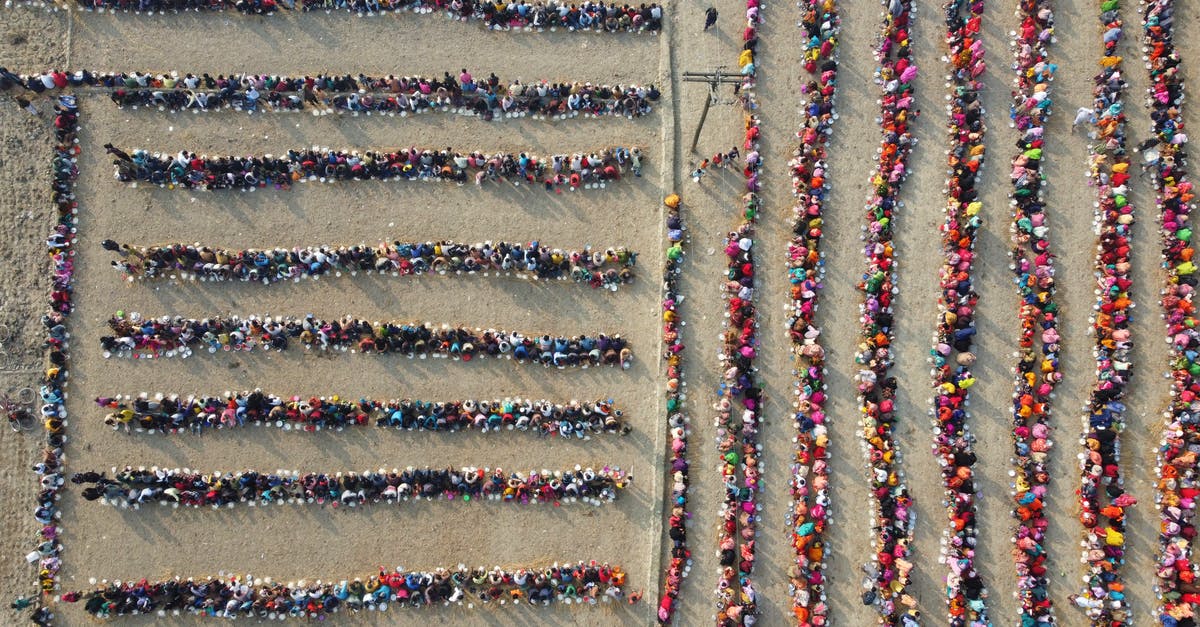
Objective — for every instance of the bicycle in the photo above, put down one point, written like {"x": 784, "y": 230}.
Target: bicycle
{"x": 19, "y": 410}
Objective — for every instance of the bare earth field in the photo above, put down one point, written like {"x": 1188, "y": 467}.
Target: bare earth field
{"x": 27, "y": 39}
{"x": 291, "y": 542}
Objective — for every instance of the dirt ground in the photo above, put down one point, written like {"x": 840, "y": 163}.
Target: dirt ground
{"x": 25, "y": 219}
{"x": 290, "y": 543}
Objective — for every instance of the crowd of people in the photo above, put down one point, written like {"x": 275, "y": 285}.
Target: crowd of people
{"x": 524, "y": 15}
{"x": 1037, "y": 369}
{"x": 1177, "y": 571}
{"x": 170, "y": 336}
{"x": 487, "y": 98}
{"x": 678, "y": 422}
{"x": 1103, "y": 500}
{"x": 608, "y": 268}
{"x": 171, "y": 414}
{"x": 740, "y": 395}
{"x": 187, "y": 170}
{"x": 1102, "y": 496}
{"x": 952, "y": 356}
{"x": 809, "y": 508}
{"x": 233, "y": 596}
{"x": 47, "y": 552}
{"x": 47, "y": 556}
{"x": 892, "y": 512}
{"x": 133, "y": 487}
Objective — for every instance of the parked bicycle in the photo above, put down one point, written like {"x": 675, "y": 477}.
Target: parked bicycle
{"x": 19, "y": 409}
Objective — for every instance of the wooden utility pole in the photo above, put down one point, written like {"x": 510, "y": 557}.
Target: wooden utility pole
{"x": 715, "y": 79}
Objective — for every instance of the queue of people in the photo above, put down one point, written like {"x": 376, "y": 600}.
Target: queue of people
{"x": 47, "y": 82}
{"x": 487, "y": 98}
{"x": 608, "y": 268}
{"x": 1103, "y": 500}
{"x": 952, "y": 355}
{"x": 232, "y": 596}
{"x": 538, "y": 15}
{"x": 811, "y": 498}
{"x": 1178, "y": 575}
{"x": 678, "y": 563}
{"x": 740, "y": 395}
{"x": 172, "y": 414}
{"x": 188, "y": 170}
{"x": 167, "y": 336}
{"x": 64, "y": 172}
{"x": 47, "y": 552}
{"x": 889, "y": 570}
{"x": 134, "y": 487}
{"x": 1037, "y": 369}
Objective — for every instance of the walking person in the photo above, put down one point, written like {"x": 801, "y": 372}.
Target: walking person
{"x": 26, "y": 105}
{"x": 710, "y": 18}
{"x": 117, "y": 152}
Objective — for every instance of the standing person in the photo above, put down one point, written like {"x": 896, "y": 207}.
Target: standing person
{"x": 710, "y": 17}
{"x": 26, "y": 105}
{"x": 1084, "y": 114}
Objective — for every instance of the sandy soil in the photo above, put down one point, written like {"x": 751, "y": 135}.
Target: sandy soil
{"x": 297, "y": 542}
{"x": 25, "y": 216}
